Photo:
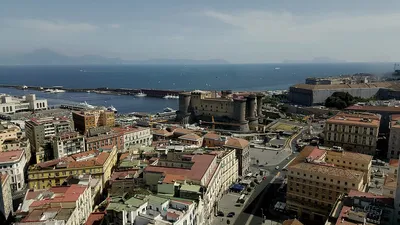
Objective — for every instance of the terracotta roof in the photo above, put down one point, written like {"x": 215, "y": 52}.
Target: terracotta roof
{"x": 394, "y": 162}
{"x": 237, "y": 143}
{"x": 371, "y": 108}
{"x": 11, "y": 156}
{"x": 172, "y": 215}
{"x": 182, "y": 131}
{"x": 190, "y": 137}
{"x": 212, "y": 136}
{"x": 390, "y": 181}
{"x": 372, "y": 120}
{"x": 171, "y": 178}
{"x": 395, "y": 121}
{"x": 380, "y": 198}
{"x": 351, "y": 156}
{"x": 95, "y": 218}
{"x": 162, "y": 132}
{"x": 292, "y": 222}
{"x": 128, "y": 129}
{"x": 195, "y": 173}
{"x": 316, "y": 153}
{"x": 121, "y": 175}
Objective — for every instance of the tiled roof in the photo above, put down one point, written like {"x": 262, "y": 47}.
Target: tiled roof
{"x": 182, "y": 131}
{"x": 212, "y": 136}
{"x": 190, "y": 137}
{"x": 292, "y": 222}
{"x": 371, "y": 108}
{"x": 128, "y": 129}
{"x": 372, "y": 120}
{"x": 237, "y": 143}
{"x": 395, "y": 121}
{"x": 10, "y": 156}
{"x": 394, "y": 162}
{"x": 95, "y": 218}
{"x": 316, "y": 153}
{"x": 171, "y": 178}
{"x": 353, "y": 156}
{"x": 161, "y": 132}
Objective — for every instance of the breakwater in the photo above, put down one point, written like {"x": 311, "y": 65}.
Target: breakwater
{"x": 157, "y": 93}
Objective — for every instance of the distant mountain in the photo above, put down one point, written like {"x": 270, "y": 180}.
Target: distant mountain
{"x": 49, "y": 57}
{"x": 316, "y": 60}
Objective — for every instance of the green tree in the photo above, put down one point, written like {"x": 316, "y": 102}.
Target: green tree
{"x": 340, "y": 100}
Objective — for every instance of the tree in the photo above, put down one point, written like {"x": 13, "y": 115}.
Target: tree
{"x": 340, "y": 100}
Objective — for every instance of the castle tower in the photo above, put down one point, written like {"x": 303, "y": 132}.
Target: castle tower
{"x": 251, "y": 110}
{"x": 183, "y": 114}
{"x": 239, "y": 112}
{"x": 259, "y": 104}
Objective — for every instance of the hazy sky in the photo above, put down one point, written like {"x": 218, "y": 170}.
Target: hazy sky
{"x": 238, "y": 31}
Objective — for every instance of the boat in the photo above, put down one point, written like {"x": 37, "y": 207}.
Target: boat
{"x": 167, "y": 97}
{"x": 24, "y": 87}
{"x": 171, "y": 97}
{"x": 112, "y": 108}
{"x": 55, "y": 91}
{"x": 140, "y": 94}
{"x": 277, "y": 68}
{"x": 48, "y": 90}
{"x": 86, "y": 105}
{"x": 168, "y": 109}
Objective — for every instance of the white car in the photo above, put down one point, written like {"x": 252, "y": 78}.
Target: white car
{"x": 277, "y": 167}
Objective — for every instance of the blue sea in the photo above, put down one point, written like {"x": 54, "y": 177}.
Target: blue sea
{"x": 252, "y": 77}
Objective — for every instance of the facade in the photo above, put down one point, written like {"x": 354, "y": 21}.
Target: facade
{"x": 242, "y": 148}
{"x": 84, "y": 120}
{"x": 9, "y": 132}
{"x": 11, "y": 104}
{"x": 67, "y": 205}
{"x": 309, "y": 94}
{"x": 358, "y": 207}
{"x": 397, "y": 195}
{"x": 191, "y": 139}
{"x": 394, "y": 137}
{"x": 106, "y": 140}
{"x": 354, "y": 132}
{"x": 40, "y": 131}
{"x": 53, "y": 173}
{"x": 68, "y": 143}
{"x": 135, "y": 136}
{"x": 316, "y": 179}
{"x": 234, "y": 111}
{"x": 14, "y": 164}
{"x": 213, "y": 140}
{"x": 6, "y": 202}
{"x": 151, "y": 210}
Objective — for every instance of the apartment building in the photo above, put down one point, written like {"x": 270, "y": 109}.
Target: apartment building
{"x": 67, "y": 205}
{"x": 9, "y": 131}
{"x": 84, "y": 120}
{"x": 105, "y": 140}
{"x": 135, "y": 136}
{"x": 151, "y": 209}
{"x": 10, "y": 104}
{"x": 397, "y": 194}
{"x": 68, "y": 143}
{"x": 242, "y": 148}
{"x": 394, "y": 137}
{"x": 357, "y": 132}
{"x": 191, "y": 140}
{"x": 14, "y": 164}
{"x": 317, "y": 177}
{"x": 6, "y": 202}
{"x": 98, "y": 163}
{"x": 40, "y": 131}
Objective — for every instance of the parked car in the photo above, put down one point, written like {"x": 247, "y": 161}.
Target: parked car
{"x": 231, "y": 214}
{"x": 277, "y": 167}
{"x": 220, "y": 213}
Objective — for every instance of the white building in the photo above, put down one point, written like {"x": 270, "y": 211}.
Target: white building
{"x": 70, "y": 205}
{"x": 14, "y": 164}
{"x": 68, "y": 143}
{"x": 135, "y": 136}
{"x": 6, "y": 202}
{"x": 143, "y": 210}
{"x": 11, "y": 104}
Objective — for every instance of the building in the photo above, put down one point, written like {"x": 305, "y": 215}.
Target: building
{"x": 14, "y": 164}
{"x": 135, "y": 136}
{"x": 53, "y": 173}
{"x": 67, "y": 205}
{"x": 9, "y": 132}
{"x": 397, "y": 196}
{"x": 18, "y": 144}
{"x": 96, "y": 218}
{"x": 317, "y": 177}
{"x": 394, "y": 137}
{"x": 356, "y": 132}
{"x": 68, "y": 143}
{"x": 151, "y": 209}
{"x": 105, "y": 140}
{"x": 11, "y": 104}
{"x": 358, "y": 207}
{"x": 84, "y": 120}
{"x": 191, "y": 139}
{"x": 242, "y": 148}
{"x": 6, "y": 202}
{"x": 39, "y": 131}
{"x": 212, "y": 139}
{"x": 230, "y": 111}
{"x": 292, "y": 222}
{"x": 309, "y": 94}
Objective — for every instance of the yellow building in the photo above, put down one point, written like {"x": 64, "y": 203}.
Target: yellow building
{"x": 98, "y": 163}
{"x": 354, "y": 132}
{"x": 318, "y": 176}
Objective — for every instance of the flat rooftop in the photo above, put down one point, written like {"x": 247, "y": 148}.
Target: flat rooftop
{"x": 362, "y": 119}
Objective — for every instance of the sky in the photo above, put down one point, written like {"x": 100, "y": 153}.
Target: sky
{"x": 254, "y": 31}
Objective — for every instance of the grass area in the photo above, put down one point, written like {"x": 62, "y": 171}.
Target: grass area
{"x": 283, "y": 126}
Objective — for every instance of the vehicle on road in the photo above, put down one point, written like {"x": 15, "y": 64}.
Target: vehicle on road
{"x": 220, "y": 213}
{"x": 277, "y": 167}
{"x": 284, "y": 169}
{"x": 231, "y": 214}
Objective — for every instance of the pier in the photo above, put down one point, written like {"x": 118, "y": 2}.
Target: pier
{"x": 157, "y": 93}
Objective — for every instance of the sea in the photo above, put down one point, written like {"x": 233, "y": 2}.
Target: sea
{"x": 236, "y": 77}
